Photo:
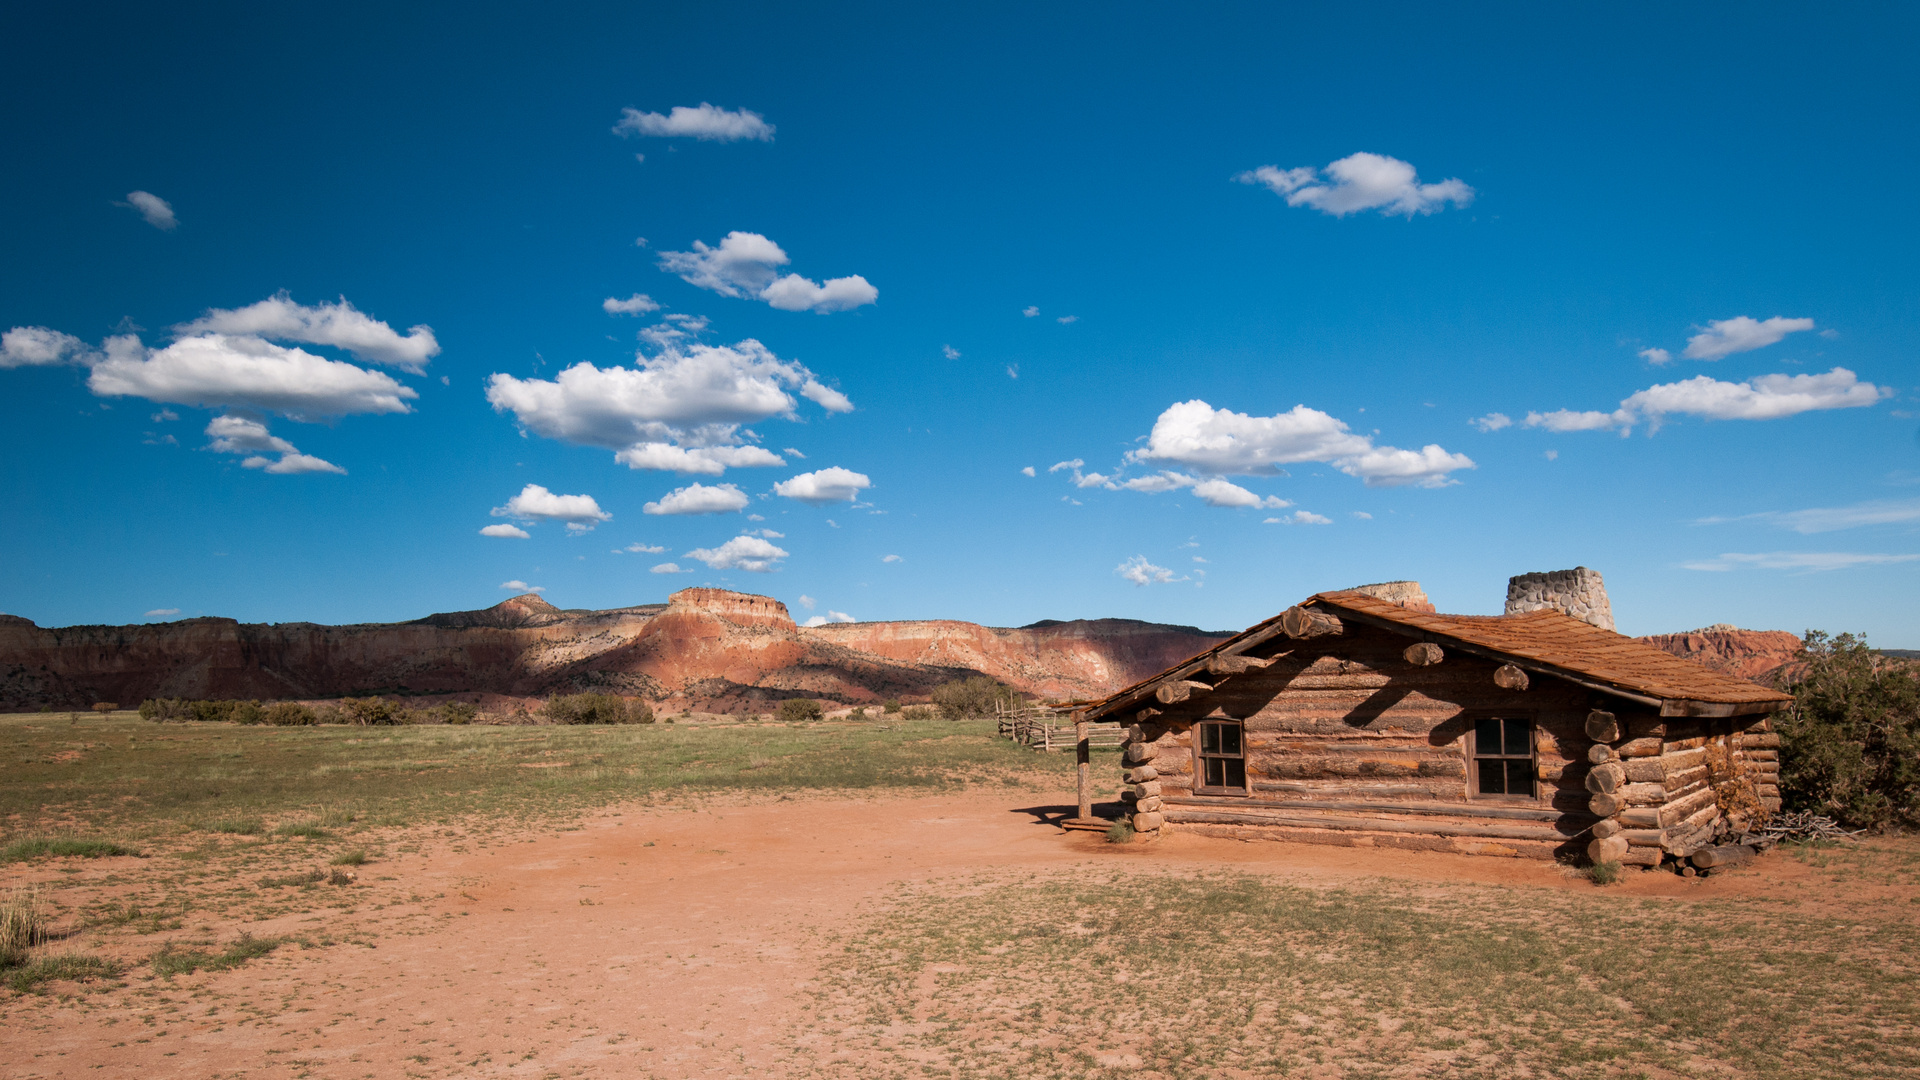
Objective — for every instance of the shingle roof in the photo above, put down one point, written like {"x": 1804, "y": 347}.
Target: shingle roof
{"x": 1554, "y": 640}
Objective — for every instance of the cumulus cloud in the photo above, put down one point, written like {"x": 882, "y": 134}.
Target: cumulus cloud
{"x": 1226, "y": 443}
{"x": 638, "y": 548}
{"x": 824, "y": 486}
{"x": 339, "y": 325}
{"x": 890, "y": 558}
{"x": 223, "y": 371}
{"x": 1299, "y": 517}
{"x": 157, "y": 211}
{"x": 700, "y": 499}
{"x": 1219, "y": 492}
{"x": 1493, "y": 421}
{"x": 749, "y": 553}
{"x": 506, "y": 532}
{"x": 520, "y": 586}
{"x": 157, "y": 613}
{"x": 745, "y": 265}
{"x": 1030, "y": 311}
{"x": 949, "y": 352}
{"x": 1028, "y": 471}
{"x": 679, "y": 411}
{"x": 1141, "y": 572}
{"x": 1724, "y": 337}
{"x": 33, "y": 346}
{"x": 1766, "y": 397}
{"x": 831, "y": 616}
{"x": 1656, "y": 357}
{"x": 536, "y": 503}
{"x": 1360, "y": 182}
{"x": 667, "y": 568}
{"x": 1073, "y": 464}
{"x": 807, "y": 602}
{"x": 242, "y": 435}
{"x": 709, "y": 123}
{"x": 637, "y": 304}
{"x": 1808, "y": 561}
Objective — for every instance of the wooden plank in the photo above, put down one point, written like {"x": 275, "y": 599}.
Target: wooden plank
{"x": 1460, "y": 809}
{"x": 1332, "y": 788}
{"x": 1434, "y": 828}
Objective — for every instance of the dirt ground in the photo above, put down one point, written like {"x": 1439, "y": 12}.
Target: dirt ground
{"x": 672, "y": 942}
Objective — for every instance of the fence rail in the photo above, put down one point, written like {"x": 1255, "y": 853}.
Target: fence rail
{"x": 1046, "y": 729}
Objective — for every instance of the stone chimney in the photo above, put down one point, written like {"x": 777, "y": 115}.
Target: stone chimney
{"x": 1408, "y": 594}
{"x": 1578, "y": 592}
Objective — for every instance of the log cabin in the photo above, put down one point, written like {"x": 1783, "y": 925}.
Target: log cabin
{"x": 1364, "y": 717}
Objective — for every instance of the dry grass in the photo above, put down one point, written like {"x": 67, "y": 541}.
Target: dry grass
{"x": 1228, "y": 975}
{"x": 23, "y": 924}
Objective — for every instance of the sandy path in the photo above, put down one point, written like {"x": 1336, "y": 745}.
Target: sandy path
{"x": 651, "y": 942}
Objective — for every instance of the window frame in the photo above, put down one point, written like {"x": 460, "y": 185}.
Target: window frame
{"x": 1474, "y": 757}
{"x": 1200, "y": 758}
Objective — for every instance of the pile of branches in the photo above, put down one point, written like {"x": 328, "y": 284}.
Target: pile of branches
{"x": 1803, "y": 825}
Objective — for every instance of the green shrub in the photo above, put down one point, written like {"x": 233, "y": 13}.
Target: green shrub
{"x": 1120, "y": 832}
{"x": 966, "y": 699}
{"x": 288, "y": 714}
{"x": 22, "y": 850}
{"x": 1604, "y": 873}
{"x": 800, "y": 710}
{"x": 593, "y": 708}
{"x": 372, "y": 712}
{"x": 892, "y": 706}
{"x": 919, "y": 712}
{"x": 165, "y": 710}
{"x": 1850, "y": 746}
{"x": 354, "y": 857}
{"x": 72, "y": 967}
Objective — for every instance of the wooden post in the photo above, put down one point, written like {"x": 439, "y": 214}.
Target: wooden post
{"x": 1083, "y": 754}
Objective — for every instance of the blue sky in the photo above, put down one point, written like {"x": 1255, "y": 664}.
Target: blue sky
{"x": 1292, "y": 270}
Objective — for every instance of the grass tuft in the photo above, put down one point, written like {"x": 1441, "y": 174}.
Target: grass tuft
{"x": 38, "y": 847}
{"x": 1120, "y": 832}
{"x": 172, "y": 960}
{"x": 23, "y": 924}
{"x": 1604, "y": 873}
{"x": 68, "y": 967}
{"x": 353, "y": 857}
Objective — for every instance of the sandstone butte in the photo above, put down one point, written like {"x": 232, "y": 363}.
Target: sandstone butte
{"x": 710, "y": 649}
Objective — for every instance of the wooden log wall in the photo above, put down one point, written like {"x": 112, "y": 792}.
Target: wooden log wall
{"x": 1353, "y": 738}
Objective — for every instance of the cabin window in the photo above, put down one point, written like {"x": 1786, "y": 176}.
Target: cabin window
{"x": 1503, "y": 757}
{"x": 1223, "y": 758}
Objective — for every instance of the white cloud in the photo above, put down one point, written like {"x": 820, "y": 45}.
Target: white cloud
{"x": 1221, "y": 442}
{"x": 949, "y": 352}
{"x": 1028, "y": 471}
{"x": 749, "y": 553}
{"x": 339, "y": 325}
{"x": 1074, "y": 464}
{"x": 217, "y": 370}
{"x": 667, "y": 568}
{"x": 637, "y": 304}
{"x": 1141, "y": 572}
{"x": 1656, "y": 357}
{"x": 164, "y": 415}
{"x": 1299, "y": 517}
{"x": 1493, "y": 421}
{"x": 520, "y": 586}
{"x": 536, "y": 503}
{"x": 157, "y": 211}
{"x": 795, "y": 453}
{"x": 1362, "y": 515}
{"x": 32, "y": 346}
{"x": 1724, "y": 337}
{"x": 240, "y": 435}
{"x": 745, "y": 266}
{"x": 768, "y": 533}
{"x": 700, "y": 499}
{"x": 1810, "y": 561}
{"x": 1551, "y": 455}
{"x": 1835, "y": 518}
{"x": 830, "y": 617}
{"x": 1360, "y": 182}
{"x": 1218, "y": 492}
{"x": 1030, "y": 312}
{"x": 1766, "y": 397}
{"x": 506, "y": 532}
{"x": 638, "y": 548}
{"x": 1067, "y": 320}
{"x": 680, "y": 411}
{"x": 807, "y": 602}
{"x": 890, "y": 558}
{"x": 706, "y": 122}
{"x": 160, "y": 612}
{"x": 1013, "y": 371}
{"x": 824, "y": 486}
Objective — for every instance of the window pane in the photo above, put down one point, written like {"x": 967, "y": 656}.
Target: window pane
{"x": 1519, "y": 733}
{"x": 1216, "y": 772}
{"x": 1236, "y": 772}
{"x": 1493, "y": 777}
{"x": 1519, "y": 776}
{"x": 1209, "y": 738}
{"x": 1229, "y": 738}
{"x": 1486, "y": 736}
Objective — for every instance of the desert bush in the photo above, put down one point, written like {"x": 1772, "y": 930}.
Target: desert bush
{"x": 104, "y": 706}
{"x": 288, "y": 714}
{"x": 372, "y": 712}
{"x": 592, "y": 708}
{"x": 1604, "y": 873}
{"x": 919, "y": 712}
{"x": 1850, "y": 745}
{"x": 892, "y": 706}
{"x": 966, "y": 699}
{"x": 1120, "y": 832}
{"x": 799, "y": 710}
{"x": 165, "y": 710}
{"x": 453, "y": 712}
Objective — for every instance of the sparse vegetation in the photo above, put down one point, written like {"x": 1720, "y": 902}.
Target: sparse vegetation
{"x": 1604, "y": 873}
{"x": 1850, "y": 745}
{"x": 173, "y": 960}
{"x": 363, "y": 712}
{"x": 23, "y": 924}
{"x": 1120, "y": 832}
{"x": 36, "y": 847}
{"x": 305, "y": 829}
{"x": 970, "y": 699}
{"x": 350, "y": 857}
{"x": 800, "y": 711}
{"x": 597, "y": 709}
{"x": 68, "y": 967}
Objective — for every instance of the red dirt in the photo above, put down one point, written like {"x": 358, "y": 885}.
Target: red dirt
{"x": 675, "y": 942}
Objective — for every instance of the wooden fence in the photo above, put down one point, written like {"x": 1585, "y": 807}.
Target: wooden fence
{"x": 1048, "y": 729}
